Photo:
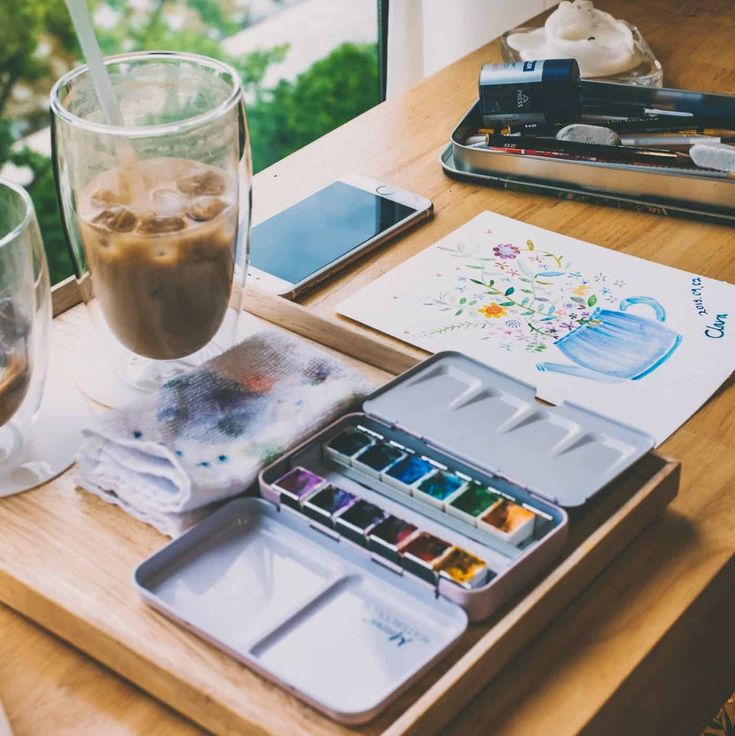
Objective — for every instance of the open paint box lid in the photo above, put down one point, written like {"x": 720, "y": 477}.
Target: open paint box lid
{"x": 493, "y": 421}
{"x": 317, "y": 617}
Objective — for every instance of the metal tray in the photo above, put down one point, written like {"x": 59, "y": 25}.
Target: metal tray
{"x": 641, "y": 188}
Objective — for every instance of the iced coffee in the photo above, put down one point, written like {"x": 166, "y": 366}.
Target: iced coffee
{"x": 161, "y": 260}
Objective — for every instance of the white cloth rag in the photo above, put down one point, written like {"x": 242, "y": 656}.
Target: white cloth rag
{"x": 205, "y": 435}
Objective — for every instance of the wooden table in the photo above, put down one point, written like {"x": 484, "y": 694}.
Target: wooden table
{"x": 649, "y": 643}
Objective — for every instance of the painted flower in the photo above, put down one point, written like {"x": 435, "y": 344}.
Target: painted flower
{"x": 493, "y": 310}
{"x": 506, "y": 250}
{"x": 512, "y": 323}
{"x": 581, "y": 290}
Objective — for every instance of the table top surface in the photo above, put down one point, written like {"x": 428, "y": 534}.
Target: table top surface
{"x": 639, "y": 634}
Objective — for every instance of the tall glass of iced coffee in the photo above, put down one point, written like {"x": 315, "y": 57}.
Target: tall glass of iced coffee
{"x": 157, "y": 215}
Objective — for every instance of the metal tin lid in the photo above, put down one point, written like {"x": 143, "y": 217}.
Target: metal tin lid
{"x": 493, "y": 421}
{"x": 316, "y": 616}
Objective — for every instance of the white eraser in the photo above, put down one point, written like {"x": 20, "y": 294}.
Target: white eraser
{"x": 717, "y": 156}
{"x": 581, "y": 133}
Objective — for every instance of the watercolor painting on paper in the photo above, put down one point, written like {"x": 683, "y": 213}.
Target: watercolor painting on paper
{"x": 564, "y": 315}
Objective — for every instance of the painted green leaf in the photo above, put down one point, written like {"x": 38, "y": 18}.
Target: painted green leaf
{"x": 506, "y": 304}
{"x": 592, "y": 301}
{"x": 578, "y": 299}
{"x": 477, "y": 281}
{"x": 463, "y": 300}
{"x": 509, "y": 291}
{"x": 530, "y": 245}
{"x": 458, "y": 312}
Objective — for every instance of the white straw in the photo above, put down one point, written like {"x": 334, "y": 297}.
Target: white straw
{"x": 82, "y": 21}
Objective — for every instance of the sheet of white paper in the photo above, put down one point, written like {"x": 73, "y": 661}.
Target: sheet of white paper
{"x": 636, "y": 341}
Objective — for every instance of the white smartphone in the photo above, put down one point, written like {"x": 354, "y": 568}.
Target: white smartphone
{"x": 311, "y": 240}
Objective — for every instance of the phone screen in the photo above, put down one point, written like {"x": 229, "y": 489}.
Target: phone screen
{"x": 320, "y": 229}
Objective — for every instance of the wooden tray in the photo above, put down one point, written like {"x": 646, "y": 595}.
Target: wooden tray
{"x": 66, "y": 560}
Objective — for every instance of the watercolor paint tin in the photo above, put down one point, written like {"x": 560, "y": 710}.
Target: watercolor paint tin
{"x": 347, "y": 614}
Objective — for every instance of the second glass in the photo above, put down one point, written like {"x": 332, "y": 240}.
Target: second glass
{"x": 157, "y": 212}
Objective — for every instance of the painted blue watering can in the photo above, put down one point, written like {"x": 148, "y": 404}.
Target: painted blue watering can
{"x": 617, "y": 345}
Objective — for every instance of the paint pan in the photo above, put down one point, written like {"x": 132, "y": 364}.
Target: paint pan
{"x": 423, "y": 555}
{"x": 463, "y": 568}
{"x": 389, "y": 537}
{"x": 511, "y": 522}
{"x": 376, "y": 458}
{"x": 407, "y": 471}
{"x": 439, "y": 488}
{"x": 325, "y": 504}
{"x": 346, "y": 444}
{"x": 359, "y": 520}
{"x": 474, "y": 501}
{"x": 297, "y": 484}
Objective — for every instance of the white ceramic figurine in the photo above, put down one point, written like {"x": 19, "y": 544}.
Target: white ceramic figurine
{"x": 602, "y": 45}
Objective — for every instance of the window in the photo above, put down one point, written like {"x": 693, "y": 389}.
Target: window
{"x": 307, "y": 66}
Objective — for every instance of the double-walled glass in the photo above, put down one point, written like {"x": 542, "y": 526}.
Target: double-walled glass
{"x": 157, "y": 211}
{"x": 25, "y": 322}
